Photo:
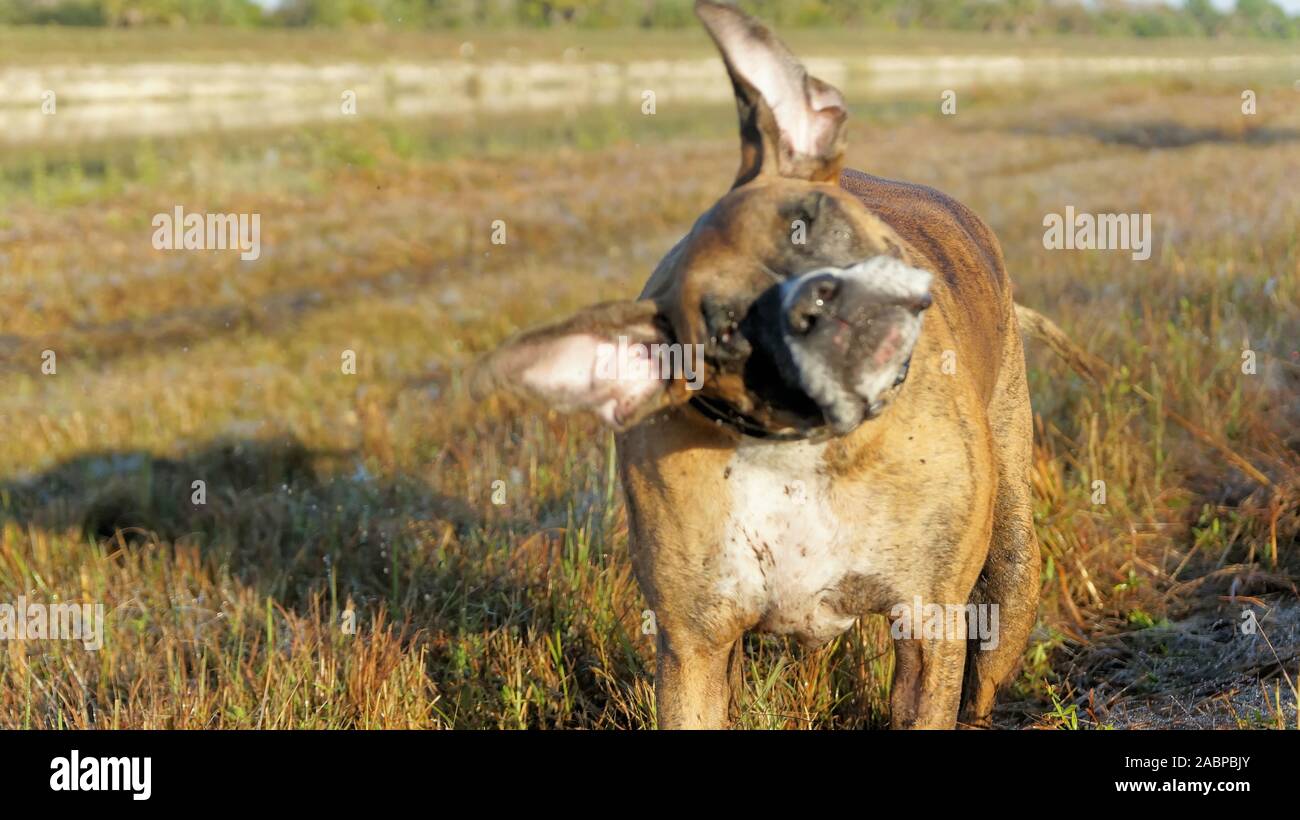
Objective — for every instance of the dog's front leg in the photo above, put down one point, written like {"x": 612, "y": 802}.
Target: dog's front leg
{"x": 697, "y": 683}
{"x": 927, "y": 683}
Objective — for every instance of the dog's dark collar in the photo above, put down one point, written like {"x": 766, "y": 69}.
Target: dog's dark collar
{"x": 721, "y": 412}
{"x": 902, "y": 371}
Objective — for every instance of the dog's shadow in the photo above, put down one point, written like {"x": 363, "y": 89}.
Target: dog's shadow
{"x": 279, "y": 514}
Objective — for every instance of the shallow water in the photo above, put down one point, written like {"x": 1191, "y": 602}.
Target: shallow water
{"x": 94, "y": 102}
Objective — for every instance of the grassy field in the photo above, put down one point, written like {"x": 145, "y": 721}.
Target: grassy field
{"x": 335, "y": 498}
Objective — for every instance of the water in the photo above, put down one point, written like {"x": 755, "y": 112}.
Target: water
{"x": 96, "y": 102}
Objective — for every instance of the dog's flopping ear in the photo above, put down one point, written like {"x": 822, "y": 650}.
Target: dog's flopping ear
{"x": 791, "y": 123}
{"x": 607, "y": 359}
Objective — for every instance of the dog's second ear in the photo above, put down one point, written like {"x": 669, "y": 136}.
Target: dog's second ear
{"x": 791, "y": 123}
{"x": 602, "y": 359}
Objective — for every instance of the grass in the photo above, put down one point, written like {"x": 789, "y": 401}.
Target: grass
{"x": 352, "y": 566}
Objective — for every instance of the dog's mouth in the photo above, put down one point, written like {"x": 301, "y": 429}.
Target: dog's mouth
{"x": 853, "y": 381}
{"x": 849, "y": 335}
{"x": 798, "y": 418}
{"x": 769, "y": 411}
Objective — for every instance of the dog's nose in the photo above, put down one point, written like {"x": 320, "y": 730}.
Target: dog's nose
{"x": 920, "y": 303}
{"x": 813, "y": 299}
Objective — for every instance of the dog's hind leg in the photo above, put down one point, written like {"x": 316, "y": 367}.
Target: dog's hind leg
{"x": 1010, "y": 577}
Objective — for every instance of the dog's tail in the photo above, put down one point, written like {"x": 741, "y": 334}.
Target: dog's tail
{"x": 1045, "y": 330}
{"x": 1097, "y": 371}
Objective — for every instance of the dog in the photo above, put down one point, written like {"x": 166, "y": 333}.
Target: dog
{"x": 859, "y": 434}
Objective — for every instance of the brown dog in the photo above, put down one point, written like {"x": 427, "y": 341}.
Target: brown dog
{"x": 854, "y": 436}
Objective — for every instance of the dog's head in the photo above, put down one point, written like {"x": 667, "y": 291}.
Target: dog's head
{"x": 787, "y": 310}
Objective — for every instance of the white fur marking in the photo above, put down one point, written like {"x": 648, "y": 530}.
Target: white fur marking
{"x": 884, "y": 274}
{"x": 783, "y": 546}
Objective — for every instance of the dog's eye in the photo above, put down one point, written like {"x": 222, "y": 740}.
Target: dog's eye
{"x": 725, "y": 337}
{"x": 806, "y": 209}
{"x": 722, "y": 324}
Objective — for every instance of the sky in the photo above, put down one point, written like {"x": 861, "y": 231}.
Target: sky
{"x": 1291, "y": 6}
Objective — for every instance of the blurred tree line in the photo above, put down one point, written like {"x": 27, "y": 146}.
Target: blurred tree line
{"x": 1262, "y": 18}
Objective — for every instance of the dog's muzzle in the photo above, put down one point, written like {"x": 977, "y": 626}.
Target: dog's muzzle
{"x": 850, "y": 333}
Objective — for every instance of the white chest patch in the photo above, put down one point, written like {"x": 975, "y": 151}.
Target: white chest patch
{"x": 783, "y": 548}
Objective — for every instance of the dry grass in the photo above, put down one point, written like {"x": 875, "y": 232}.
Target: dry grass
{"x": 371, "y": 494}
